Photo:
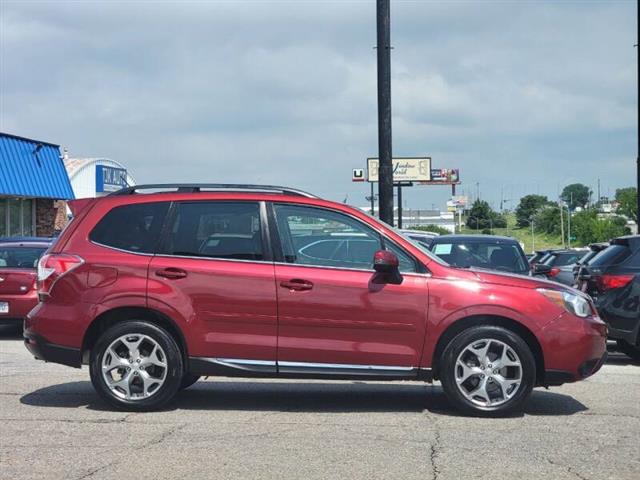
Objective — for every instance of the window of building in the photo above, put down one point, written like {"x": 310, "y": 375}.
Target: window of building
{"x": 17, "y": 217}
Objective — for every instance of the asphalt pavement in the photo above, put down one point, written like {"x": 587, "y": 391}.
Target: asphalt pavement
{"x": 53, "y": 426}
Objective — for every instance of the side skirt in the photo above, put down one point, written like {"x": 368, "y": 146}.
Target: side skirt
{"x": 230, "y": 367}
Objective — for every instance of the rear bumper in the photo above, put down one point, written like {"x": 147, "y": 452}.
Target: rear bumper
{"x": 41, "y": 349}
{"x": 19, "y": 305}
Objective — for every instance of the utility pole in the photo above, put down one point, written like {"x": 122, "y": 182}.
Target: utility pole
{"x": 561, "y": 222}
{"x": 638, "y": 109}
{"x": 399, "y": 205}
{"x": 385, "y": 172}
{"x": 569, "y": 221}
{"x": 478, "y": 185}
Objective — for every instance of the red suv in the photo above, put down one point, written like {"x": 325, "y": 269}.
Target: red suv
{"x": 154, "y": 290}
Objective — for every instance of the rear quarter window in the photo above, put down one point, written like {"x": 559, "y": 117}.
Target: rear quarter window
{"x": 610, "y": 256}
{"x": 135, "y": 228}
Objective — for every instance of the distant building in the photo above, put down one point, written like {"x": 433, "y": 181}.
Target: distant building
{"x": 414, "y": 218}
{"x": 33, "y": 180}
{"x": 96, "y": 177}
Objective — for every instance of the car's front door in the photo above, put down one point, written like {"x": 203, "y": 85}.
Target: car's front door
{"x": 214, "y": 270}
{"x": 332, "y": 317}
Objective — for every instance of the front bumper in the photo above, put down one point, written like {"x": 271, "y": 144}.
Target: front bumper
{"x": 41, "y": 349}
{"x": 574, "y": 348}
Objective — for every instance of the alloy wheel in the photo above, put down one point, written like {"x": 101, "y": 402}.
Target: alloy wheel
{"x": 488, "y": 372}
{"x": 134, "y": 367}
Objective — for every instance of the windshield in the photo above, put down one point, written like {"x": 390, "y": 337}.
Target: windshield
{"x": 20, "y": 257}
{"x": 505, "y": 257}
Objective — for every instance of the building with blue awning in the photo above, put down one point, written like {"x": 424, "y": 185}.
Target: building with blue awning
{"x": 32, "y": 180}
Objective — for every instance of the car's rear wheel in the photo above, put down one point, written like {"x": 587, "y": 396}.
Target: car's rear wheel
{"x": 487, "y": 370}
{"x": 629, "y": 350}
{"x": 136, "y": 365}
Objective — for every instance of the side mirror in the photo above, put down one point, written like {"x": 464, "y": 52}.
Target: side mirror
{"x": 386, "y": 265}
{"x": 541, "y": 269}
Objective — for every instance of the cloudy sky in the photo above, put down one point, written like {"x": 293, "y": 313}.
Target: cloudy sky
{"x": 523, "y": 97}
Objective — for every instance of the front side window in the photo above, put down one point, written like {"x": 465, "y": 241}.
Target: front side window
{"x": 225, "y": 230}
{"x": 314, "y": 236}
{"x": 134, "y": 228}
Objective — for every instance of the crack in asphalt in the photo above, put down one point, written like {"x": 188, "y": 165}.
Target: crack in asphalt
{"x": 155, "y": 441}
{"x": 435, "y": 450}
{"x": 567, "y": 468}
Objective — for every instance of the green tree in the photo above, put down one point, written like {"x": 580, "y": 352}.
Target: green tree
{"x": 432, "y": 228}
{"x": 628, "y": 200}
{"x": 576, "y": 195}
{"x": 481, "y": 216}
{"x": 547, "y": 220}
{"x": 528, "y": 207}
{"x": 588, "y": 227}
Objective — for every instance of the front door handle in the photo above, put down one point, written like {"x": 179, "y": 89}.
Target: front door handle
{"x": 171, "y": 273}
{"x": 297, "y": 285}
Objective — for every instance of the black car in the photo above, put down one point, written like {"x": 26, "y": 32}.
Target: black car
{"x": 538, "y": 255}
{"x": 481, "y": 251}
{"x": 612, "y": 278}
{"x": 558, "y": 265}
{"x": 594, "y": 249}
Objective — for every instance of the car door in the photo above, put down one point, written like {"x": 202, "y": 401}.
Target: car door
{"x": 214, "y": 269}
{"x": 333, "y": 318}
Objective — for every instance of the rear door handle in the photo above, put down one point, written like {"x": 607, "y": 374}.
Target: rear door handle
{"x": 297, "y": 284}
{"x": 171, "y": 273}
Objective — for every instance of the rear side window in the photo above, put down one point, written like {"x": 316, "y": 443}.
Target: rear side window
{"x": 225, "y": 230}
{"x": 610, "y": 256}
{"x": 134, "y": 228}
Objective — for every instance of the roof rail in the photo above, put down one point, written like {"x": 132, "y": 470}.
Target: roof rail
{"x": 199, "y": 187}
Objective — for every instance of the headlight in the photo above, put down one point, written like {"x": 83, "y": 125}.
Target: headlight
{"x": 575, "y": 304}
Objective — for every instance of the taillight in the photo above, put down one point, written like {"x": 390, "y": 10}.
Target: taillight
{"x": 554, "y": 271}
{"x": 609, "y": 282}
{"x": 53, "y": 267}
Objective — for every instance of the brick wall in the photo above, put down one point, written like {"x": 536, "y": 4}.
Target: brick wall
{"x": 45, "y": 217}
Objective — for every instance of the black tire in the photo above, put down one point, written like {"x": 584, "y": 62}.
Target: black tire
{"x": 174, "y": 366}
{"x": 629, "y": 350}
{"x": 447, "y": 370}
{"x": 188, "y": 379}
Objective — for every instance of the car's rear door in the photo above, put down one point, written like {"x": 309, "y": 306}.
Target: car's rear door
{"x": 332, "y": 318}
{"x": 214, "y": 269}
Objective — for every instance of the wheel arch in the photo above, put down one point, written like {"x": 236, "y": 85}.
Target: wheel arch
{"x": 120, "y": 314}
{"x": 490, "y": 320}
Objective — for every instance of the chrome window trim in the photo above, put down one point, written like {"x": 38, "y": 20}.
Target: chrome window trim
{"x": 371, "y": 271}
{"x": 378, "y": 229}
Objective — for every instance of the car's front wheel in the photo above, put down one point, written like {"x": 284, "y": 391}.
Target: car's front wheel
{"x": 136, "y": 365}
{"x": 487, "y": 370}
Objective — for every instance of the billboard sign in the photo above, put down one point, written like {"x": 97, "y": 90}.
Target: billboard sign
{"x": 405, "y": 169}
{"x": 110, "y": 179}
{"x": 445, "y": 176}
{"x": 358, "y": 175}
{"x": 457, "y": 203}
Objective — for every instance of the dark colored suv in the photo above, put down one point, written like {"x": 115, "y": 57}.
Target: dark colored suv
{"x": 153, "y": 290}
{"x": 612, "y": 278}
{"x": 492, "y": 252}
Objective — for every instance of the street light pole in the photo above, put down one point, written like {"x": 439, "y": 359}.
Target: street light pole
{"x": 385, "y": 171}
